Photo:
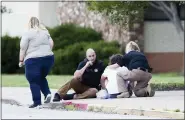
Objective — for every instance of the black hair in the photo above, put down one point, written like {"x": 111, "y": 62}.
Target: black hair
{"x": 116, "y": 58}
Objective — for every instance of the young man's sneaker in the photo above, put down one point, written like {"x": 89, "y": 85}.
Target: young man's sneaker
{"x": 34, "y": 105}
{"x": 47, "y": 99}
{"x": 151, "y": 91}
{"x": 56, "y": 97}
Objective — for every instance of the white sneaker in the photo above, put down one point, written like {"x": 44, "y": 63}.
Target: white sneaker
{"x": 48, "y": 99}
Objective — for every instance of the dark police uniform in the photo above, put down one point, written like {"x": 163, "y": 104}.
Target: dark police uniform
{"x": 92, "y": 74}
{"x": 135, "y": 60}
{"x": 90, "y": 79}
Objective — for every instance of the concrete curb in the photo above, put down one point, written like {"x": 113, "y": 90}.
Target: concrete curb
{"x": 104, "y": 109}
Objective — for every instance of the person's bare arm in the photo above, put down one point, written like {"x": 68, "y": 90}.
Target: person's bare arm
{"x": 79, "y": 73}
{"x": 102, "y": 82}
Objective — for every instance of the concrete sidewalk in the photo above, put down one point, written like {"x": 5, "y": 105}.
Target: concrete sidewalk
{"x": 164, "y": 102}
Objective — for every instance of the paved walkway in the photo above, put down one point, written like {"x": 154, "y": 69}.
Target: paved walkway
{"x": 14, "y": 112}
{"x": 162, "y": 101}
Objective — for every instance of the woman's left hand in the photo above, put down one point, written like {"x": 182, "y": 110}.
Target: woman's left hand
{"x": 20, "y": 64}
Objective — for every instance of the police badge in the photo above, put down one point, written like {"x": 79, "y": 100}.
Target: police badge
{"x": 95, "y": 70}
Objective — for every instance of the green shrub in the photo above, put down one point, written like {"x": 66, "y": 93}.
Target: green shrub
{"x": 168, "y": 86}
{"x": 70, "y": 43}
{"x": 10, "y": 54}
{"x": 104, "y": 49}
{"x": 67, "y": 60}
{"x": 177, "y": 110}
{"x": 67, "y": 34}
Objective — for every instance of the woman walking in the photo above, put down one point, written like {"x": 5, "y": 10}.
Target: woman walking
{"x": 37, "y": 56}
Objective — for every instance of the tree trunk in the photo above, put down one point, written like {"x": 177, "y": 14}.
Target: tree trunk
{"x": 180, "y": 31}
{"x": 181, "y": 37}
{"x": 170, "y": 11}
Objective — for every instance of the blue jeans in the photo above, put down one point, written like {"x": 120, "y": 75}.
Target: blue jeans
{"x": 36, "y": 70}
{"x": 114, "y": 95}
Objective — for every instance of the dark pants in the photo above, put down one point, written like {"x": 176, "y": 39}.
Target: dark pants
{"x": 36, "y": 70}
{"x": 114, "y": 95}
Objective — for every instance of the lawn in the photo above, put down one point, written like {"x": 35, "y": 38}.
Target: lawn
{"x": 57, "y": 81}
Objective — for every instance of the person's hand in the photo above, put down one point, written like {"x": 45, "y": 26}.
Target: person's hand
{"x": 89, "y": 63}
{"x": 20, "y": 64}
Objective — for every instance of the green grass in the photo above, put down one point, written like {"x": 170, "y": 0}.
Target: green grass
{"x": 57, "y": 81}
{"x": 21, "y": 81}
{"x": 157, "y": 78}
{"x": 177, "y": 110}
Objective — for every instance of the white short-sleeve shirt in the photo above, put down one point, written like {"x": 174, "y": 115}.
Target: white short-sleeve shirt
{"x": 111, "y": 83}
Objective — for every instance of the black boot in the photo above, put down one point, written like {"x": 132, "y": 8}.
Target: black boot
{"x": 56, "y": 98}
{"x": 69, "y": 96}
{"x": 34, "y": 105}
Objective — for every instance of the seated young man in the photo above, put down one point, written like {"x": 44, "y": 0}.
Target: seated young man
{"x": 109, "y": 81}
{"x": 86, "y": 79}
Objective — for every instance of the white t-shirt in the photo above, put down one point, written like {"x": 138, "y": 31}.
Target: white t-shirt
{"x": 111, "y": 83}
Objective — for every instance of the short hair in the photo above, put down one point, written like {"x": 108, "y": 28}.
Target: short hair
{"x": 89, "y": 50}
{"x": 116, "y": 58}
